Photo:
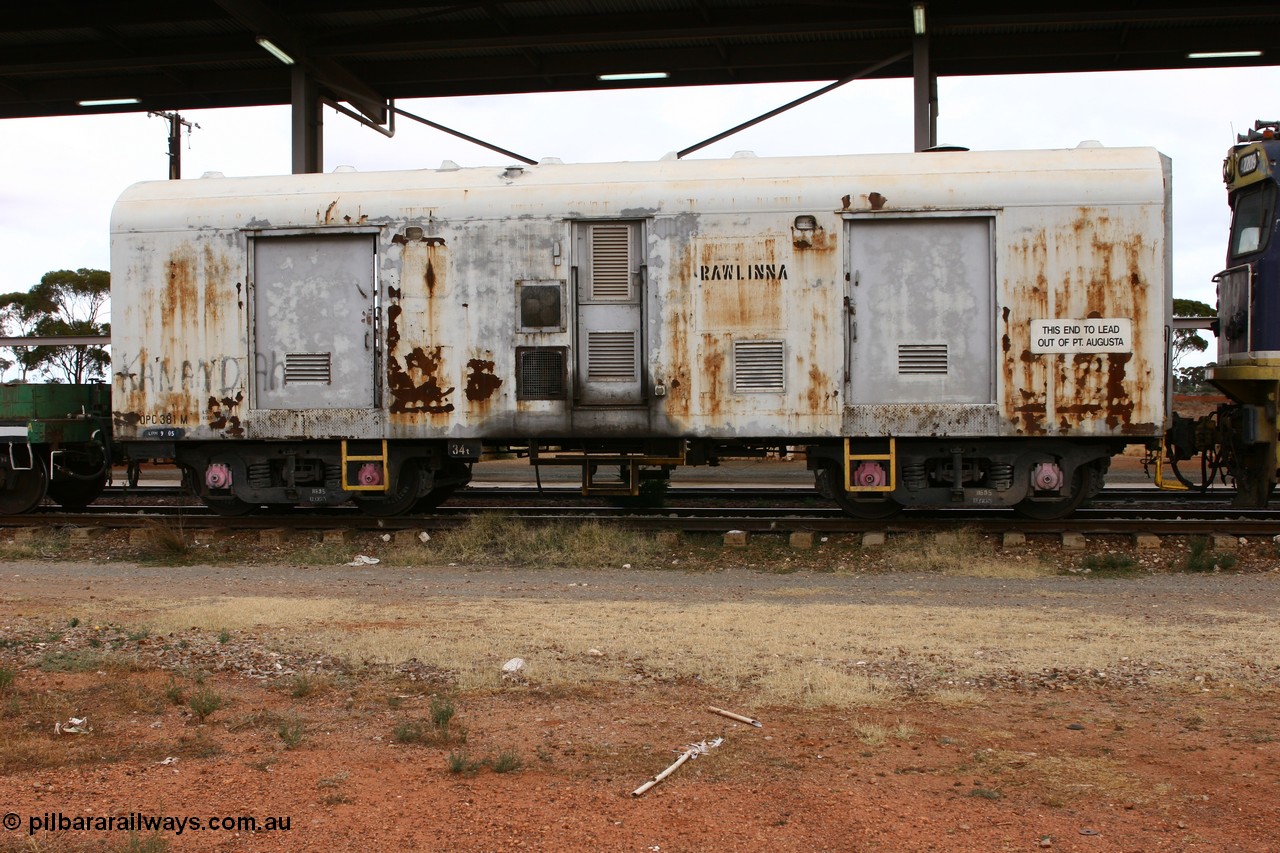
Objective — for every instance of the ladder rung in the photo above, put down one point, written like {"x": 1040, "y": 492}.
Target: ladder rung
{"x": 348, "y": 486}
{"x": 891, "y": 458}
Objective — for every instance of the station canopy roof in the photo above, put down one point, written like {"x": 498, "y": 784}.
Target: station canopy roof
{"x": 190, "y": 54}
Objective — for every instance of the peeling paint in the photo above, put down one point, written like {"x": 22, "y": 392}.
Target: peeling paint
{"x": 481, "y": 382}
{"x": 416, "y": 387}
{"x": 221, "y": 414}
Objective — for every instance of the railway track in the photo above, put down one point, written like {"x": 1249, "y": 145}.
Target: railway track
{"x": 1115, "y": 512}
{"x": 798, "y": 494}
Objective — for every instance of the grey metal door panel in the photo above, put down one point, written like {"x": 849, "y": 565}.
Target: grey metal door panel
{"x": 609, "y": 319}
{"x": 1235, "y": 305}
{"x": 921, "y": 305}
{"x": 314, "y": 304}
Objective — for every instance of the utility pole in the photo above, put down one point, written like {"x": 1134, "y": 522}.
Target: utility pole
{"x": 176, "y": 123}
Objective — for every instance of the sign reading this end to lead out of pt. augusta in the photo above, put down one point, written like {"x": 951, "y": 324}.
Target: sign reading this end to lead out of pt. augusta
{"x": 1091, "y": 335}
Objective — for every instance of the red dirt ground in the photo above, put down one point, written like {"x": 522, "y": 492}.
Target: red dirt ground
{"x": 1073, "y": 768}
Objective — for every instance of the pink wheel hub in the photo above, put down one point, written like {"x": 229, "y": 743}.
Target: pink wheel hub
{"x": 869, "y": 474}
{"x": 1047, "y": 477}
{"x": 218, "y": 476}
{"x": 370, "y": 474}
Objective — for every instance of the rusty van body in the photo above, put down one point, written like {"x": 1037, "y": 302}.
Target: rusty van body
{"x": 945, "y": 327}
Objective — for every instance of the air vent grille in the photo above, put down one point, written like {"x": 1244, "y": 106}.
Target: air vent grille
{"x": 307, "y": 367}
{"x": 928, "y": 359}
{"x": 540, "y": 306}
{"x": 611, "y": 261}
{"x": 540, "y": 373}
{"x": 759, "y": 366}
{"x": 611, "y": 356}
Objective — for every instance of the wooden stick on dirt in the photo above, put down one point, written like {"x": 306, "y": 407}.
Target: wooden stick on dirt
{"x": 693, "y": 750}
{"x": 684, "y": 756}
{"x": 722, "y": 712}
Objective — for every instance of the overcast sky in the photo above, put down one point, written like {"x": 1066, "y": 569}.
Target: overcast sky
{"x": 63, "y": 174}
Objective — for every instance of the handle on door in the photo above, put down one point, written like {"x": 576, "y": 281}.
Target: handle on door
{"x": 851, "y": 310}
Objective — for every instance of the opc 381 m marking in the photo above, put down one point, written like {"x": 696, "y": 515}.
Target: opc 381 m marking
{"x": 163, "y": 419}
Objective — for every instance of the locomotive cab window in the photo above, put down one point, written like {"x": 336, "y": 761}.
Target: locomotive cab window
{"x": 1251, "y": 223}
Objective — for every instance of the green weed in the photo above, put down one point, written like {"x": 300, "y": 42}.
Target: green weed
{"x": 205, "y": 702}
{"x": 442, "y": 712}
{"x": 1201, "y": 559}
{"x": 506, "y": 761}
{"x": 290, "y": 731}
{"x": 1109, "y": 563}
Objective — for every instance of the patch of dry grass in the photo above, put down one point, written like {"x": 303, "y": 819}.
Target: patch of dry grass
{"x": 163, "y": 540}
{"x": 956, "y": 697}
{"x": 878, "y": 734}
{"x": 813, "y": 685}
{"x": 493, "y": 539}
{"x": 242, "y": 613}
{"x": 42, "y": 543}
{"x": 1060, "y": 779}
{"x": 790, "y": 650}
{"x": 320, "y": 554}
{"x": 963, "y": 553}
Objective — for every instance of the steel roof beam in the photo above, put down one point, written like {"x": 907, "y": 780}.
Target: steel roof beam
{"x": 262, "y": 21}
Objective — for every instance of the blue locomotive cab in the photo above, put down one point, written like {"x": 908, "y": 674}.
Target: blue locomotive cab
{"x": 1249, "y": 289}
{"x": 1248, "y": 363}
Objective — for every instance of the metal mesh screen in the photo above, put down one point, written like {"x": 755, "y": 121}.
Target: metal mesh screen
{"x": 540, "y": 373}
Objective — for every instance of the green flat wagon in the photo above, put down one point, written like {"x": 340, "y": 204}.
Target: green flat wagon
{"x": 55, "y": 441}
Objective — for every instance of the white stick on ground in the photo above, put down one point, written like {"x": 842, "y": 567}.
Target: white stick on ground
{"x": 693, "y": 750}
{"x": 722, "y": 712}
{"x": 684, "y": 756}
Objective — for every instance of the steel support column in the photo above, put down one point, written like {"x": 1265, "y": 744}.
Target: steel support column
{"x": 926, "y": 95}
{"x": 308, "y": 124}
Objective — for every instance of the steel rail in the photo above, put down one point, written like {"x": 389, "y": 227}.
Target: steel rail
{"x": 1110, "y": 495}
{"x": 1222, "y": 521}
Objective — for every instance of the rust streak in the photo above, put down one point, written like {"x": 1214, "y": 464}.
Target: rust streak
{"x": 181, "y": 300}
{"x": 1120, "y": 407}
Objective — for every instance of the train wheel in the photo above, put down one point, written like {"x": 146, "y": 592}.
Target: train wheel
{"x": 456, "y": 476}
{"x": 870, "y": 509}
{"x": 434, "y": 498}
{"x": 407, "y": 494}
{"x": 21, "y": 491}
{"x": 229, "y": 507}
{"x": 80, "y": 477}
{"x": 76, "y": 494}
{"x": 1048, "y": 510}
